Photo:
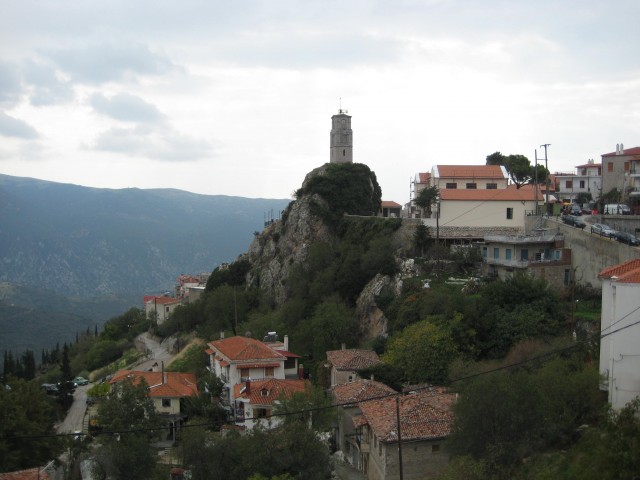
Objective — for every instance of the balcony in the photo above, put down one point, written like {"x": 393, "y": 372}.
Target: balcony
{"x": 634, "y": 171}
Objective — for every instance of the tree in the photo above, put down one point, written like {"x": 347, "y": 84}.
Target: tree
{"x": 308, "y": 409}
{"x": 423, "y": 351}
{"x": 583, "y": 197}
{"x": 426, "y": 198}
{"x": 421, "y": 238}
{"x": 26, "y": 421}
{"x": 128, "y": 417}
{"x": 519, "y": 168}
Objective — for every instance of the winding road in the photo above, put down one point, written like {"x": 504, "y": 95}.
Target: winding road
{"x": 157, "y": 353}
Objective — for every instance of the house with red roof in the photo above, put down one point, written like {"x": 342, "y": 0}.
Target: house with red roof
{"x": 347, "y": 397}
{"x": 160, "y": 308}
{"x": 256, "y": 399}
{"x": 167, "y": 389}
{"x": 426, "y": 419}
{"x": 345, "y": 363}
{"x": 587, "y": 179}
{"x": 241, "y": 361}
{"x": 390, "y": 209}
{"x": 620, "y": 332}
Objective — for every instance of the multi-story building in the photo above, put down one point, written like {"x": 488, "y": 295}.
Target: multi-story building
{"x": 242, "y": 363}
{"x": 620, "y": 332}
{"x": 541, "y": 254}
{"x": 345, "y": 363}
{"x": 621, "y": 170}
{"x": 160, "y": 308}
{"x": 586, "y": 180}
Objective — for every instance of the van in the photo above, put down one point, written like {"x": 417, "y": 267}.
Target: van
{"x": 616, "y": 209}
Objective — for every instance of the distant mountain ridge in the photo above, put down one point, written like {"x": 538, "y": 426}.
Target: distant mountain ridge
{"x": 90, "y": 241}
{"x": 94, "y": 243}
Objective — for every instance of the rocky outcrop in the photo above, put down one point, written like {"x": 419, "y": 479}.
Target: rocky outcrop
{"x": 284, "y": 244}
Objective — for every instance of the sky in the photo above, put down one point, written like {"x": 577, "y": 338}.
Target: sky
{"x": 236, "y": 97}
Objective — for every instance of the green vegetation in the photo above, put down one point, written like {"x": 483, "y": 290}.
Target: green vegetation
{"x": 346, "y": 188}
{"x": 26, "y": 418}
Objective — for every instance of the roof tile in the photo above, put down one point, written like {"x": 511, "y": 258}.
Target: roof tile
{"x": 266, "y": 392}
{"x": 176, "y": 384}
{"x": 359, "y": 390}
{"x": 423, "y": 415}
{"x": 470, "y": 171}
{"x": 245, "y": 348}
{"x": 353, "y": 359}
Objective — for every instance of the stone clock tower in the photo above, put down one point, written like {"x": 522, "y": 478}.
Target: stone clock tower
{"x": 341, "y": 145}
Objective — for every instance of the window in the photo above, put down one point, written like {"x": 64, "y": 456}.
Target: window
{"x": 472, "y": 186}
{"x": 492, "y": 186}
{"x": 244, "y": 374}
{"x": 569, "y": 184}
{"x": 626, "y": 166}
{"x": 166, "y": 403}
{"x": 261, "y": 413}
{"x": 524, "y": 254}
{"x": 509, "y": 213}
{"x": 268, "y": 371}
{"x": 452, "y": 185}
{"x": 581, "y": 183}
{"x": 610, "y": 167}
{"x": 496, "y": 253}
{"x": 344, "y": 152}
{"x": 166, "y": 309}
{"x": 434, "y": 448}
{"x": 557, "y": 254}
{"x": 484, "y": 252}
{"x": 567, "y": 276}
{"x": 507, "y": 254}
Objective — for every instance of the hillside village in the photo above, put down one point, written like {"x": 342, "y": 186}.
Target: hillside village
{"x": 472, "y": 332}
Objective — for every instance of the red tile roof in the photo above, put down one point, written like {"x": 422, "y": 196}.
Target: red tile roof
{"x": 266, "y": 392}
{"x": 30, "y": 474}
{"x": 470, "y": 171}
{"x": 627, "y": 272}
{"x": 352, "y": 360}
{"x": 589, "y": 165}
{"x": 626, "y": 151}
{"x": 423, "y": 416}
{"x": 510, "y": 193}
{"x": 245, "y": 348}
{"x": 359, "y": 390}
{"x": 424, "y": 177}
{"x": 161, "y": 300}
{"x": 176, "y": 384}
{"x": 389, "y": 204}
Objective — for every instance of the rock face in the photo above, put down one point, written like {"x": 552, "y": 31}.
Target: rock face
{"x": 283, "y": 244}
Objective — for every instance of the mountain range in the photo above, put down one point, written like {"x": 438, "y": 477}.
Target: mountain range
{"x": 78, "y": 255}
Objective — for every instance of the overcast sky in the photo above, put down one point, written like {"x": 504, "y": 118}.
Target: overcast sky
{"x": 236, "y": 97}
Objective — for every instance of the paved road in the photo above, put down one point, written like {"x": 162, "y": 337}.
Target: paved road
{"x": 158, "y": 352}
{"x": 75, "y": 416}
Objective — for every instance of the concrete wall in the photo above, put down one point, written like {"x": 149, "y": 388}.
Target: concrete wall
{"x": 591, "y": 253}
{"x": 458, "y": 213}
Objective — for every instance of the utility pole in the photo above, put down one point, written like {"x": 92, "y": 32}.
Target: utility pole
{"x": 546, "y": 165}
{"x": 536, "y": 179}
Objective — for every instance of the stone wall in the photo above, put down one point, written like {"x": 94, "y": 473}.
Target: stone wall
{"x": 591, "y": 253}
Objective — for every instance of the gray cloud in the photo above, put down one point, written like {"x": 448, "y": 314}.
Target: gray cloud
{"x": 156, "y": 144}
{"x": 106, "y": 62}
{"x": 125, "y": 107}
{"x": 10, "y": 85}
{"x": 46, "y": 87}
{"x": 14, "y": 127}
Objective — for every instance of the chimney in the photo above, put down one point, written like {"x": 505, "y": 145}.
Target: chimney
{"x": 247, "y": 386}
{"x": 617, "y": 149}
{"x": 622, "y": 149}
{"x": 221, "y": 334}
{"x": 301, "y": 372}
{"x": 344, "y": 346}
{"x": 286, "y": 342}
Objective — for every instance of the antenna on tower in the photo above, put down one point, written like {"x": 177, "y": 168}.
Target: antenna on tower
{"x": 340, "y": 109}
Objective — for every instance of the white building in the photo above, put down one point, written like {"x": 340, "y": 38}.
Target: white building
{"x": 246, "y": 366}
{"x": 620, "y": 332}
{"x": 587, "y": 179}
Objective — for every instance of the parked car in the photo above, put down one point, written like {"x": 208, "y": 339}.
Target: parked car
{"x": 616, "y": 209}
{"x": 575, "y": 209}
{"x": 69, "y": 386}
{"x": 81, "y": 381}
{"x": 50, "y": 388}
{"x": 602, "y": 230}
{"x": 624, "y": 237}
{"x": 573, "y": 221}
